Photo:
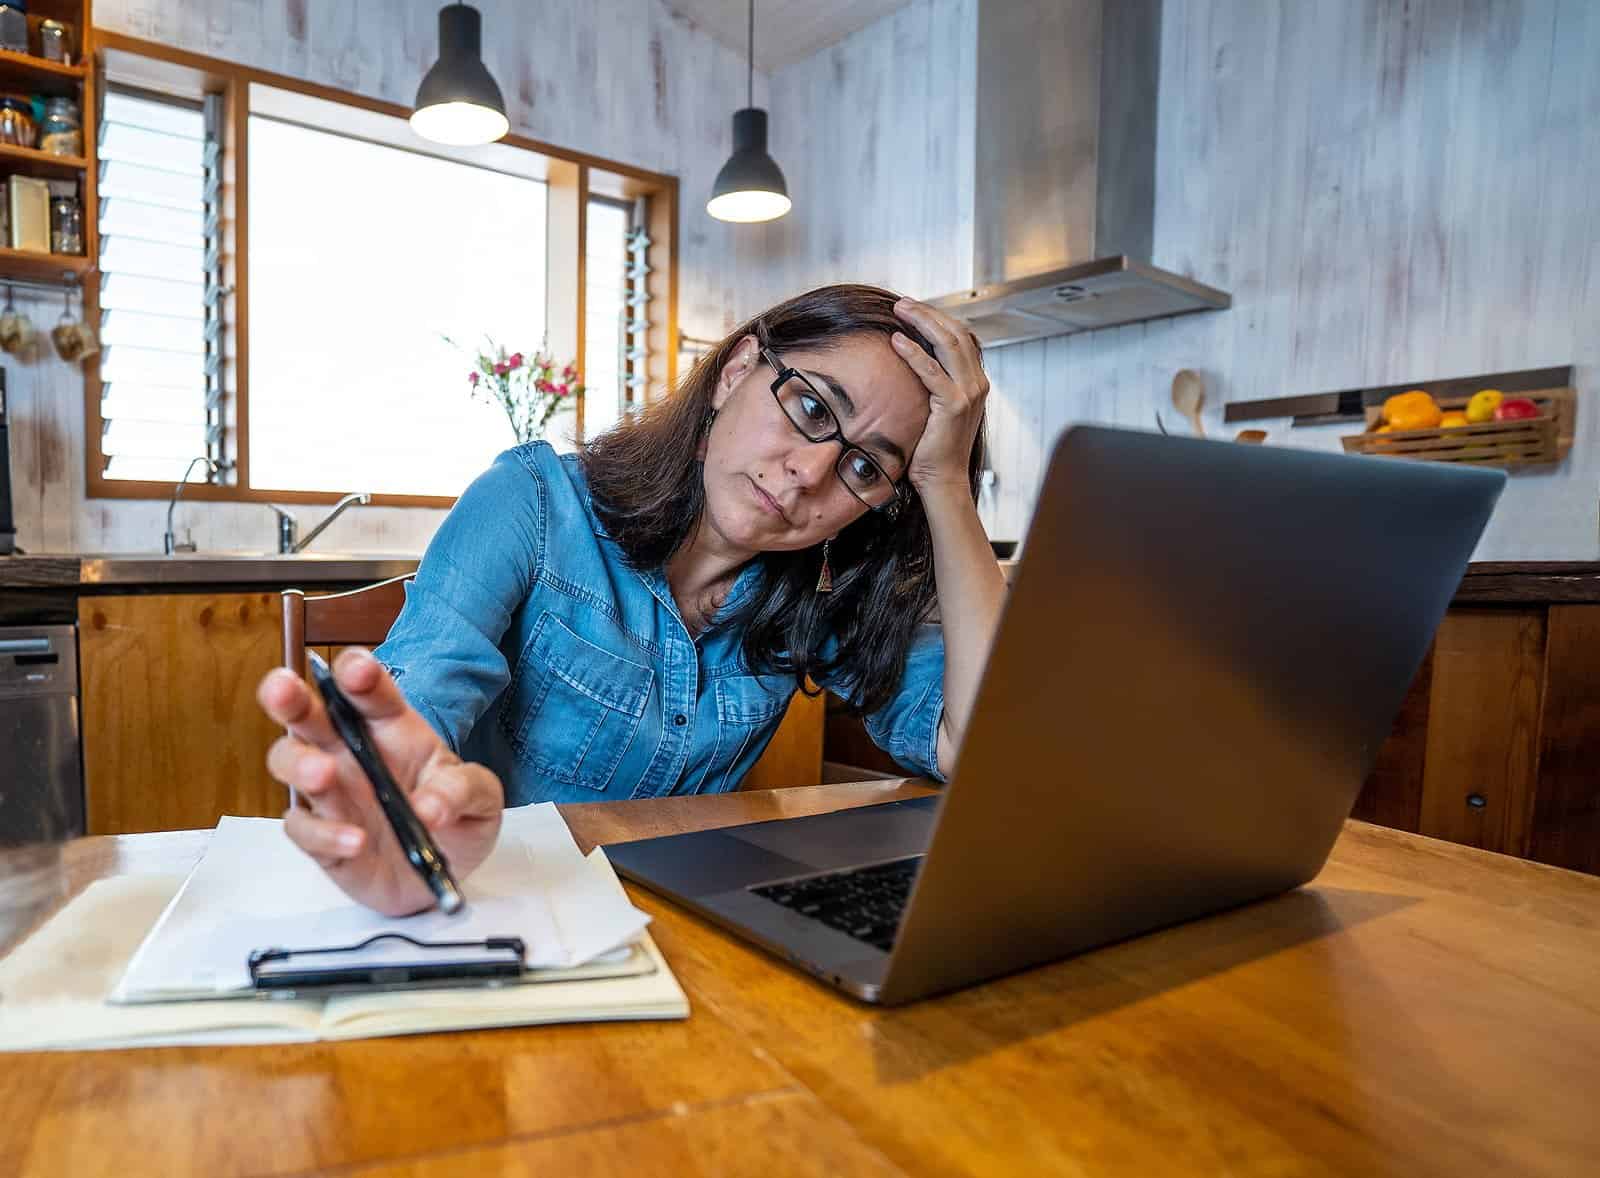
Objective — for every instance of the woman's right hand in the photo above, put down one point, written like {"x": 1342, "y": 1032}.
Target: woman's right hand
{"x": 344, "y": 828}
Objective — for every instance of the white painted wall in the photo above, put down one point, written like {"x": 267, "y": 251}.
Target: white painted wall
{"x": 624, "y": 79}
{"x": 1392, "y": 190}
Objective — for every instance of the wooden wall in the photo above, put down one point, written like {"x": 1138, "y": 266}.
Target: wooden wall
{"x": 624, "y": 79}
{"x": 1391, "y": 190}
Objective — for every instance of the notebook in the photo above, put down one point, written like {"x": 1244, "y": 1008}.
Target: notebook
{"x": 143, "y": 940}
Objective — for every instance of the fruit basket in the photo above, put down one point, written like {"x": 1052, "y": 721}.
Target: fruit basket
{"x": 1531, "y": 441}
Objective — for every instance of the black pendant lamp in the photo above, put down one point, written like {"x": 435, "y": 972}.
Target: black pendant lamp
{"x": 750, "y": 186}
{"x": 458, "y": 102}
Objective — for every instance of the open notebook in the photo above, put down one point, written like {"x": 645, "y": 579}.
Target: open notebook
{"x": 107, "y": 971}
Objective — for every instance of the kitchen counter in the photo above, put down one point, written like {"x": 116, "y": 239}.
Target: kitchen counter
{"x": 1530, "y": 583}
{"x": 1511, "y": 582}
{"x": 89, "y": 571}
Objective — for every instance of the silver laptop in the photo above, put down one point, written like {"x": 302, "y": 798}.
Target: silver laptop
{"x": 1202, "y": 649}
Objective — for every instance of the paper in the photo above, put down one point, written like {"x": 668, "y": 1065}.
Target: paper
{"x": 52, "y": 988}
{"x": 254, "y": 889}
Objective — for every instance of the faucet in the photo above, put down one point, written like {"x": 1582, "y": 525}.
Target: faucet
{"x": 169, "y": 542}
{"x": 288, "y": 526}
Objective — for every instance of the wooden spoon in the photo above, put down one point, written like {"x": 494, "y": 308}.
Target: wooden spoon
{"x": 1188, "y": 395}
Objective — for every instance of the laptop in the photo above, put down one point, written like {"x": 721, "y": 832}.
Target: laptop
{"x": 1203, "y": 647}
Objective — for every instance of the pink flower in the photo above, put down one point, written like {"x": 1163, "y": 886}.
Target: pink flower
{"x": 542, "y": 385}
{"x": 472, "y": 379}
{"x": 569, "y": 372}
{"x": 561, "y": 390}
{"x": 501, "y": 369}
{"x": 516, "y": 359}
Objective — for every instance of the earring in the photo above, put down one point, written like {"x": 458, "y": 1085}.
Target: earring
{"x": 825, "y": 577}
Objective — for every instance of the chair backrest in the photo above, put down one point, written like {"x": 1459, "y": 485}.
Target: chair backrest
{"x": 359, "y": 617}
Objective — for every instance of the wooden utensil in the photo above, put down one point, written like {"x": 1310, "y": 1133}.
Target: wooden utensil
{"x": 1188, "y": 395}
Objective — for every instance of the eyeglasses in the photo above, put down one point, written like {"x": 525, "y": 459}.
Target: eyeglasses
{"x": 808, "y": 412}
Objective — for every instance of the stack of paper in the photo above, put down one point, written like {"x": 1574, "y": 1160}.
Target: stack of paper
{"x": 86, "y": 980}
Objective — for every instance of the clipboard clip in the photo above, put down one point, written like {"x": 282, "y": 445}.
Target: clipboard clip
{"x": 404, "y": 963}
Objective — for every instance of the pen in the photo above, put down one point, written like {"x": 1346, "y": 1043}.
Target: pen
{"x": 423, "y": 853}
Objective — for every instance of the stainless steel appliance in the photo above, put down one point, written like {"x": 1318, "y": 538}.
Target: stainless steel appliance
{"x": 41, "y": 767}
{"x": 1064, "y": 191}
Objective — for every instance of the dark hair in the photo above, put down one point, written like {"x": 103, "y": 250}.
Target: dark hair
{"x": 648, "y": 485}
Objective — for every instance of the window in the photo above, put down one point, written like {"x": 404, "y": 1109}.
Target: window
{"x": 160, "y": 375}
{"x": 296, "y": 286}
{"x": 364, "y": 259}
{"x": 615, "y": 349}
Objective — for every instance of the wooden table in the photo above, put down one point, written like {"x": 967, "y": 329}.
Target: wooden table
{"x": 1421, "y": 1008}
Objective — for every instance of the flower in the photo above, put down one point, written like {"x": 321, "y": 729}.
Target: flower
{"x": 524, "y": 385}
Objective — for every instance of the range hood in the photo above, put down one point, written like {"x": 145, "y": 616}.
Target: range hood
{"x": 1064, "y": 174}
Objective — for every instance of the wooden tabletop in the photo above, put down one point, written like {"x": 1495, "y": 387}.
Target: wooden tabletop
{"x": 1421, "y": 1008}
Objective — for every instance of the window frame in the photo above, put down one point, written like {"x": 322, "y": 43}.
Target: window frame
{"x": 572, "y": 177}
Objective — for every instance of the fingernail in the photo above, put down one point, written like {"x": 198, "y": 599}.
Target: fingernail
{"x": 350, "y": 841}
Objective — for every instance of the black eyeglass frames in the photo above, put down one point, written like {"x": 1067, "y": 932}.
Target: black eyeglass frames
{"x": 808, "y": 411}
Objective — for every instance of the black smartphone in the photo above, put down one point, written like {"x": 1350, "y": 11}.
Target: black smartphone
{"x": 422, "y": 852}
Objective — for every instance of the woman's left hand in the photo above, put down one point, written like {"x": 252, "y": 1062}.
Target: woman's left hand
{"x": 956, "y": 387}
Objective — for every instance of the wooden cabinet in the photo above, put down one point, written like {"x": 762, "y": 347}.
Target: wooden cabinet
{"x": 1498, "y": 743}
{"x": 172, "y": 735}
{"x": 173, "y": 738}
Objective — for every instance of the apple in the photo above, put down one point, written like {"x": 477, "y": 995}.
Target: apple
{"x": 1515, "y": 409}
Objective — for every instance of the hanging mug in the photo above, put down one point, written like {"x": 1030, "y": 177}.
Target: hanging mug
{"x": 73, "y": 340}
{"x": 16, "y": 332}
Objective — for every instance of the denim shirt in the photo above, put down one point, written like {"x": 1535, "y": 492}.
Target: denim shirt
{"x": 532, "y": 647}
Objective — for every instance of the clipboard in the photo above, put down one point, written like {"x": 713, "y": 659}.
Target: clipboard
{"x": 386, "y": 961}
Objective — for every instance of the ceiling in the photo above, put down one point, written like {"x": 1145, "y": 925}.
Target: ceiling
{"x": 786, "y": 31}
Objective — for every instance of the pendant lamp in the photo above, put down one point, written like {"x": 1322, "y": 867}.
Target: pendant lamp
{"x": 750, "y": 186}
{"x": 458, "y": 102}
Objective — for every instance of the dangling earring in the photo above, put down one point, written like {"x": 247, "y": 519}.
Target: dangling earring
{"x": 711, "y": 416}
{"x": 825, "y": 577}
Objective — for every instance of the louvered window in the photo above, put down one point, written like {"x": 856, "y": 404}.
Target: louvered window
{"x": 160, "y": 285}
{"x": 616, "y": 312}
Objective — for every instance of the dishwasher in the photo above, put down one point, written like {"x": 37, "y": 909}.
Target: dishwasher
{"x": 41, "y": 766}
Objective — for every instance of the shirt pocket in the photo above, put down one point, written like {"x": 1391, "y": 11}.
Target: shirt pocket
{"x": 747, "y": 715}
{"x": 575, "y": 706}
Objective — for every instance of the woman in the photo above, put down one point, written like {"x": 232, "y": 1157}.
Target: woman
{"x": 631, "y": 621}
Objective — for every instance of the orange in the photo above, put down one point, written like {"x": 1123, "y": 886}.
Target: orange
{"x": 1412, "y": 410}
{"x": 1452, "y": 419}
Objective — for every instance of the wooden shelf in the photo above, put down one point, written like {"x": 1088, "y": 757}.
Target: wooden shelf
{"x": 33, "y": 266}
{"x": 24, "y": 73}
{"x": 27, "y": 65}
{"x": 1541, "y": 440}
{"x": 30, "y": 161}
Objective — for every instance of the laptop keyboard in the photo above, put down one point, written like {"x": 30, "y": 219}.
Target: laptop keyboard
{"x": 864, "y": 902}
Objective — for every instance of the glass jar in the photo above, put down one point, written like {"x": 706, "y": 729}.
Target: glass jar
{"x": 61, "y": 133}
{"x": 66, "y": 225}
{"x": 14, "y": 26}
{"x": 55, "y": 43}
{"x": 17, "y": 127}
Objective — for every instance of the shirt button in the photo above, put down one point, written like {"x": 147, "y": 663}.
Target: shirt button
{"x": 680, "y": 719}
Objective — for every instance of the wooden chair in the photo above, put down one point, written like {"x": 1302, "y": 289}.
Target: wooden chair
{"x": 360, "y": 617}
